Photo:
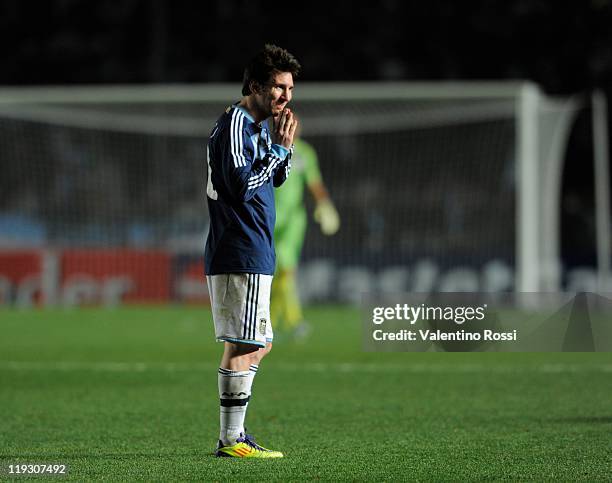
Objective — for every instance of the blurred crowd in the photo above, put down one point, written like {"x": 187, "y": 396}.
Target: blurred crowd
{"x": 564, "y": 46}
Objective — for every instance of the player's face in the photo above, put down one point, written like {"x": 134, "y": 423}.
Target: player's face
{"x": 277, "y": 93}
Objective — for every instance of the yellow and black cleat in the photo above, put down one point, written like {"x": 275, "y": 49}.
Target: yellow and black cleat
{"x": 246, "y": 447}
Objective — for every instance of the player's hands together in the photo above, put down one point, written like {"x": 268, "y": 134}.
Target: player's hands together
{"x": 285, "y": 125}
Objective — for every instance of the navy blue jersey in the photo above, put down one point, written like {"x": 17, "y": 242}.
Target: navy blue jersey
{"x": 243, "y": 169}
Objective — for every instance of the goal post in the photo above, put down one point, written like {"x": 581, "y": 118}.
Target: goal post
{"x": 543, "y": 128}
{"x": 440, "y": 185}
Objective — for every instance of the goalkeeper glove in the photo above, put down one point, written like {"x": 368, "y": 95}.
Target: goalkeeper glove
{"x": 326, "y": 215}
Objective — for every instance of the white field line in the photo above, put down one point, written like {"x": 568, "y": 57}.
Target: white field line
{"x": 357, "y": 367}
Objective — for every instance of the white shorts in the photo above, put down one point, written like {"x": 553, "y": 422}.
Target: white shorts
{"x": 241, "y": 307}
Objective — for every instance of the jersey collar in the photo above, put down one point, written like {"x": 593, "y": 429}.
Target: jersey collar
{"x": 245, "y": 112}
{"x": 262, "y": 125}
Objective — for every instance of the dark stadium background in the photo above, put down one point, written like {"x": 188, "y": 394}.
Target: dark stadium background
{"x": 564, "y": 46}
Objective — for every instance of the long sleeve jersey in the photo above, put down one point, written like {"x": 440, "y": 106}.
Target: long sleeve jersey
{"x": 243, "y": 169}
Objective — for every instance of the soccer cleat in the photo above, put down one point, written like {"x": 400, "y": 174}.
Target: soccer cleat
{"x": 246, "y": 447}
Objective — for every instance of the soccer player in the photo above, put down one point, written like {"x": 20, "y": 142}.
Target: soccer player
{"x": 286, "y": 309}
{"x": 249, "y": 154}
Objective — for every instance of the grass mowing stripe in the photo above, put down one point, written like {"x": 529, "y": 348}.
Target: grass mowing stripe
{"x": 131, "y": 395}
{"x": 306, "y": 367}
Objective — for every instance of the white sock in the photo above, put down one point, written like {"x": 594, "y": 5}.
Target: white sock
{"x": 252, "y": 373}
{"x": 234, "y": 394}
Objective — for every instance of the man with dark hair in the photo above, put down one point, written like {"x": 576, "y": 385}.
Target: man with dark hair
{"x": 271, "y": 58}
{"x": 249, "y": 154}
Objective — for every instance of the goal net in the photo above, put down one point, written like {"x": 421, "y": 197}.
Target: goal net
{"x": 439, "y": 187}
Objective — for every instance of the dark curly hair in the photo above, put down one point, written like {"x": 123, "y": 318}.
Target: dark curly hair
{"x": 265, "y": 63}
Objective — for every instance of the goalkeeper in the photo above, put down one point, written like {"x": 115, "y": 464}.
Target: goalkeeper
{"x": 289, "y": 232}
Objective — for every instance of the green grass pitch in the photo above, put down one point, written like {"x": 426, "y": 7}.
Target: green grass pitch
{"x": 131, "y": 394}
